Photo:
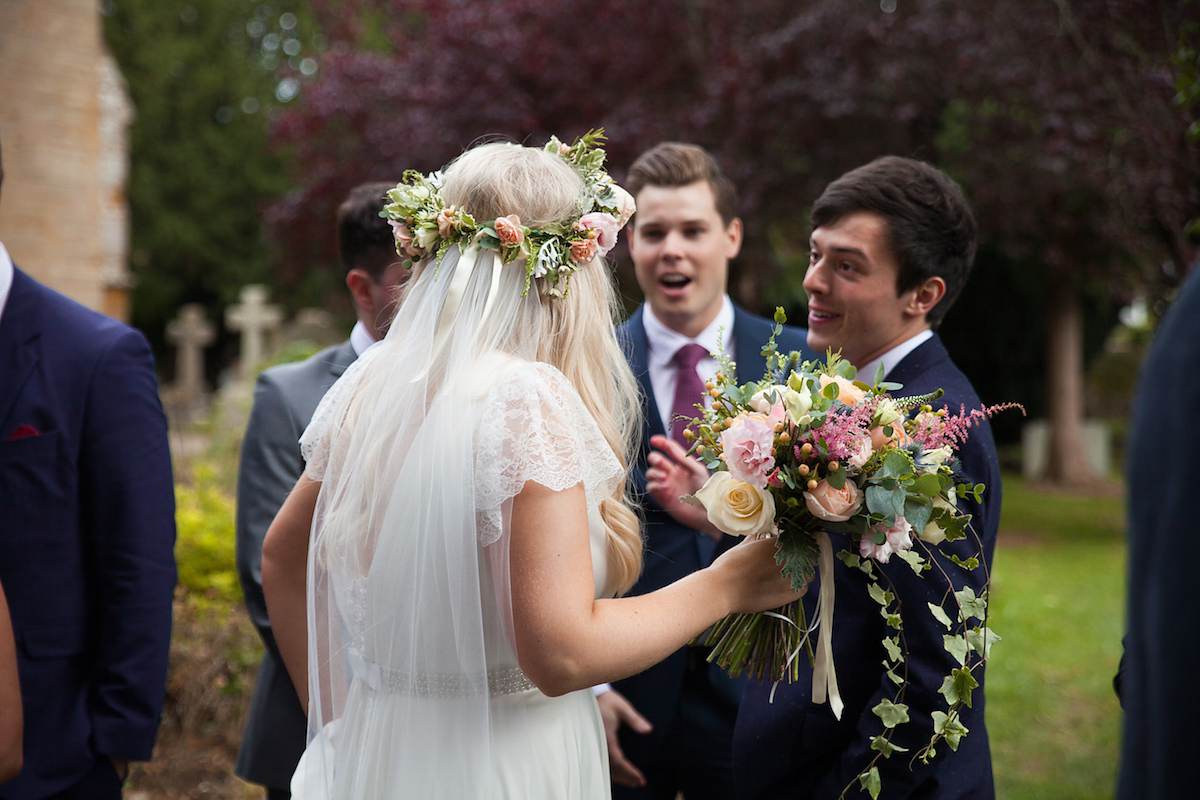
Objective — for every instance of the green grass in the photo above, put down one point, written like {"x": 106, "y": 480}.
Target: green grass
{"x": 1058, "y": 591}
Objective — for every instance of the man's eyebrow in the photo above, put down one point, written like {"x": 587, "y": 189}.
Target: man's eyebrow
{"x": 853, "y": 251}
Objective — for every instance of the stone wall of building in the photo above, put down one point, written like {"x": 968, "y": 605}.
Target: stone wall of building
{"x": 64, "y": 113}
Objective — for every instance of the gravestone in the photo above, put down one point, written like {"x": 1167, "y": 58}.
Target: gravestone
{"x": 254, "y": 318}
{"x": 190, "y": 332}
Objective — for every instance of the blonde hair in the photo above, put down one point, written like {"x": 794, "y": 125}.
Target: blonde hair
{"x": 577, "y": 332}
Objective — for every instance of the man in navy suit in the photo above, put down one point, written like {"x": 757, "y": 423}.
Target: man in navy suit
{"x": 1162, "y": 625}
{"x": 891, "y": 247}
{"x": 670, "y": 728}
{"x": 87, "y": 538}
{"x": 284, "y": 401}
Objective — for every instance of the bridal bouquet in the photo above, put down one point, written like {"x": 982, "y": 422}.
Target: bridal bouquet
{"x": 809, "y": 451}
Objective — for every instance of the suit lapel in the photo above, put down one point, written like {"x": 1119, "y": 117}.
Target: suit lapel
{"x": 750, "y": 334}
{"x": 928, "y": 354}
{"x": 19, "y": 341}
{"x": 341, "y": 359}
{"x": 637, "y": 351}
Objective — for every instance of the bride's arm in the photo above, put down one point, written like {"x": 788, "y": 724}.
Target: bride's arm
{"x": 284, "y": 565}
{"x": 567, "y": 640}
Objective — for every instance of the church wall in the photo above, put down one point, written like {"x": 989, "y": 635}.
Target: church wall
{"x": 64, "y": 112}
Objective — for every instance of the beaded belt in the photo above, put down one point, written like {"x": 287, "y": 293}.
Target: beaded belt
{"x": 435, "y": 684}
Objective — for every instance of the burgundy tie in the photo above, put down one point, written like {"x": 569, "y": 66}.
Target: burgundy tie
{"x": 689, "y": 389}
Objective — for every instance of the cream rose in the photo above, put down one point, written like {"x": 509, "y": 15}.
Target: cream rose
{"x": 833, "y": 505}
{"x": 736, "y": 507}
{"x": 848, "y": 393}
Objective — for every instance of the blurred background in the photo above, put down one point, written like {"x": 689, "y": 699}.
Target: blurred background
{"x": 161, "y": 156}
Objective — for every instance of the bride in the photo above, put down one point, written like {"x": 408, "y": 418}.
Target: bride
{"x": 444, "y": 580}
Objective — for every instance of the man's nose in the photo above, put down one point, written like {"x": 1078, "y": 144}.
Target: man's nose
{"x": 814, "y": 278}
{"x": 672, "y": 247}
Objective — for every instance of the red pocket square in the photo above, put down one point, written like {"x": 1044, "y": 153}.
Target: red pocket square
{"x": 22, "y": 432}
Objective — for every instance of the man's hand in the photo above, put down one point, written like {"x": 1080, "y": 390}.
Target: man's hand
{"x": 614, "y": 710}
{"x": 670, "y": 474}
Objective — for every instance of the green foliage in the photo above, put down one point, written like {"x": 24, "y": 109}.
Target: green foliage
{"x": 202, "y": 75}
{"x": 204, "y": 549}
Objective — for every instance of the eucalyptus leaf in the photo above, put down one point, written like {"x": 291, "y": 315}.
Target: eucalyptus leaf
{"x": 917, "y": 510}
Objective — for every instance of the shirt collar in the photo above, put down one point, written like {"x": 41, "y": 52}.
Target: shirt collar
{"x": 6, "y": 278}
{"x": 360, "y": 338}
{"x": 664, "y": 342}
{"x": 892, "y": 357}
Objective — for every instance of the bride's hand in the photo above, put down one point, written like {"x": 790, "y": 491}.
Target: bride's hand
{"x": 754, "y": 579}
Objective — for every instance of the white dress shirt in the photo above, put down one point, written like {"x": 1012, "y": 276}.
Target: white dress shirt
{"x": 892, "y": 357}
{"x": 360, "y": 339}
{"x": 663, "y": 343}
{"x": 6, "y": 278}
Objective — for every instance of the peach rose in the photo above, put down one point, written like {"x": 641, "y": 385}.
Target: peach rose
{"x": 404, "y": 239}
{"x": 848, "y": 393}
{"x": 879, "y": 439}
{"x": 833, "y": 505}
{"x": 446, "y": 222}
{"x": 584, "y": 250}
{"x": 736, "y": 507}
{"x": 508, "y": 229}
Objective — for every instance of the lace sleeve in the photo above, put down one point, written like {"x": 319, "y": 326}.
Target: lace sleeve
{"x": 317, "y": 439}
{"x": 534, "y": 427}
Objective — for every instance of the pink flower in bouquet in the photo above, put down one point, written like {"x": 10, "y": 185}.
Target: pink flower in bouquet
{"x": 749, "y": 449}
{"x": 833, "y": 505}
{"x": 605, "y": 226}
{"x": 899, "y": 537}
{"x": 404, "y": 239}
{"x": 860, "y": 452}
{"x": 584, "y": 250}
{"x": 508, "y": 229}
{"x": 774, "y": 413}
{"x": 848, "y": 393}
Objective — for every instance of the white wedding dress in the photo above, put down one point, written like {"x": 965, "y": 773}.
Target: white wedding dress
{"x": 416, "y": 691}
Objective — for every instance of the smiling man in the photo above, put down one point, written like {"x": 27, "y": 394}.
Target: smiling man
{"x": 891, "y": 247}
{"x": 685, "y": 232}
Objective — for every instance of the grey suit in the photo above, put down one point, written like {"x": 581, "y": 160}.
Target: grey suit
{"x": 284, "y": 401}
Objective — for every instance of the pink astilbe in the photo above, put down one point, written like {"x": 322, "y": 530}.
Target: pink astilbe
{"x": 842, "y": 432}
{"x": 931, "y": 430}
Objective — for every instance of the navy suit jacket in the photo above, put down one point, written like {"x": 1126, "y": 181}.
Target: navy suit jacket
{"x": 1162, "y": 635}
{"x": 87, "y": 534}
{"x": 674, "y": 550}
{"x": 792, "y": 748}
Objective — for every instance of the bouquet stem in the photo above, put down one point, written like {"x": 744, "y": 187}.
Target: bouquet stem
{"x": 766, "y": 644}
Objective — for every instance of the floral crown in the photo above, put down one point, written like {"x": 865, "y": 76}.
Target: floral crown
{"x": 425, "y": 226}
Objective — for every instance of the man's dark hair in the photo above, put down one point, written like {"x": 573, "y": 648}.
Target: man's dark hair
{"x": 673, "y": 164}
{"x": 365, "y": 239}
{"x": 930, "y": 227}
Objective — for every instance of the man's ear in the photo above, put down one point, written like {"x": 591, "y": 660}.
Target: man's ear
{"x": 359, "y": 283}
{"x": 926, "y": 296}
{"x": 733, "y": 235}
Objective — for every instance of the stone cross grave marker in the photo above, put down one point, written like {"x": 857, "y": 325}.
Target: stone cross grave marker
{"x": 253, "y": 318}
{"x": 190, "y": 332}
